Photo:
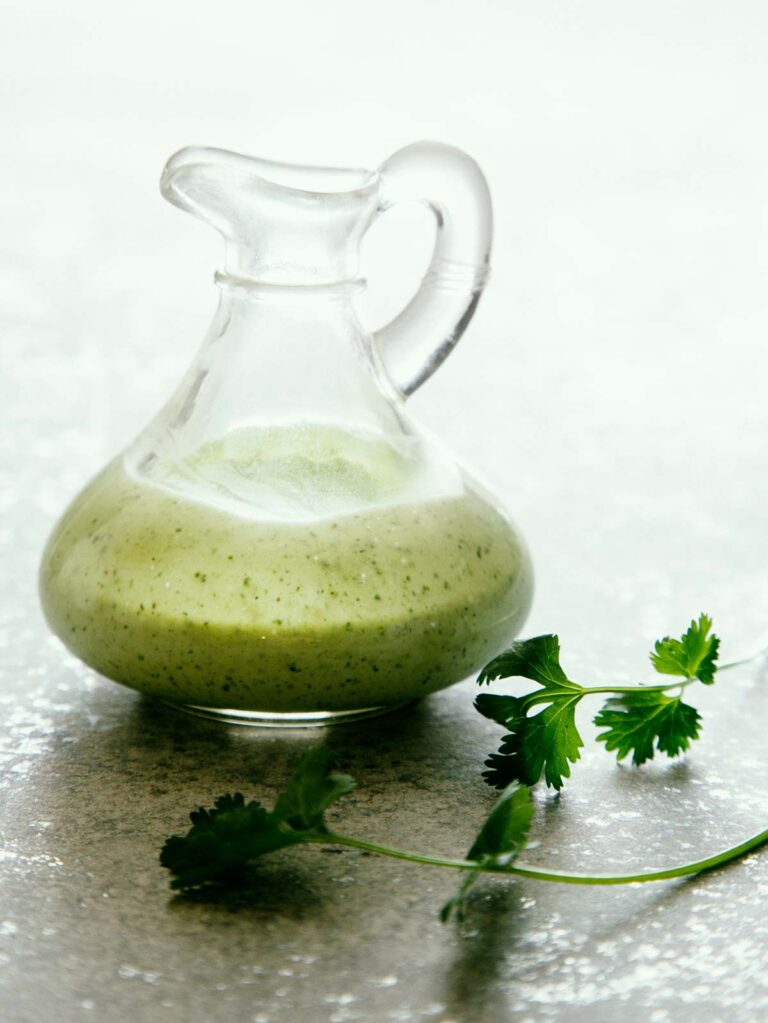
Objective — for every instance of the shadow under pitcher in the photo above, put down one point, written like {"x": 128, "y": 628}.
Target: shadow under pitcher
{"x": 282, "y": 545}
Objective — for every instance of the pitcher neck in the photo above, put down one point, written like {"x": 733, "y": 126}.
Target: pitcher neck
{"x": 240, "y": 290}
{"x": 288, "y": 317}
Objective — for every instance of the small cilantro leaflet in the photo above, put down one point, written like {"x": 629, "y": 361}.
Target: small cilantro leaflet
{"x": 635, "y": 722}
{"x": 498, "y": 843}
{"x": 547, "y": 741}
{"x": 537, "y": 658}
{"x": 312, "y": 788}
{"x": 504, "y": 832}
{"x": 694, "y": 655}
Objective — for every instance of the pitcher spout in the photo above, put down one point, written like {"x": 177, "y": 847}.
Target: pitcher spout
{"x": 282, "y": 224}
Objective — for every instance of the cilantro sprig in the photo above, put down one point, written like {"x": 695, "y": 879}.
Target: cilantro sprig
{"x": 235, "y": 835}
{"x": 543, "y": 738}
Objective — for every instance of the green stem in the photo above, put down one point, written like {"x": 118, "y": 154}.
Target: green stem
{"x": 679, "y": 684}
{"x": 331, "y": 838}
{"x": 741, "y": 662}
{"x": 662, "y": 687}
{"x": 539, "y": 874}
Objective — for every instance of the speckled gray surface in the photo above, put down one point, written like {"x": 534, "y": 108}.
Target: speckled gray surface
{"x": 95, "y": 778}
{"x": 611, "y": 388}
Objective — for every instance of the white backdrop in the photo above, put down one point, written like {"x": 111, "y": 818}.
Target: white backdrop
{"x": 612, "y": 385}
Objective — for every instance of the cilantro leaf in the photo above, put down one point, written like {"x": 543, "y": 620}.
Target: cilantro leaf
{"x": 498, "y": 843}
{"x": 545, "y": 742}
{"x": 694, "y": 655}
{"x": 537, "y": 658}
{"x": 635, "y": 722}
{"x": 504, "y": 831}
{"x": 224, "y": 839}
{"x": 312, "y": 788}
{"x": 504, "y": 710}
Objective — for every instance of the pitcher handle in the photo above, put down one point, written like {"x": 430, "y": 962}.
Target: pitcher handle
{"x": 452, "y": 185}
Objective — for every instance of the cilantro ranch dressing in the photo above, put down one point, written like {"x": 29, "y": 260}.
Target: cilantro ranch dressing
{"x": 185, "y": 600}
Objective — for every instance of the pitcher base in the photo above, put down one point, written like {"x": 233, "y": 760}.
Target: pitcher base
{"x": 274, "y": 719}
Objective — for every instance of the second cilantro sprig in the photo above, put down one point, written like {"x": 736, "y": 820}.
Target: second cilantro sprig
{"x": 234, "y": 835}
{"x": 543, "y": 738}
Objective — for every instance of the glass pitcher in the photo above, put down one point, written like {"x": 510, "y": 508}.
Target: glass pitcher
{"x": 282, "y": 544}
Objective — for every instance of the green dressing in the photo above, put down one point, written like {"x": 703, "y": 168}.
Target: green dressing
{"x": 191, "y": 602}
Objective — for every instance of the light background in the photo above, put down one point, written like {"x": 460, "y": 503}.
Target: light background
{"x": 611, "y": 388}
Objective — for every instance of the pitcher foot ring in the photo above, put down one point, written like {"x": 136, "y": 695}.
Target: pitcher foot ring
{"x": 274, "y": 719}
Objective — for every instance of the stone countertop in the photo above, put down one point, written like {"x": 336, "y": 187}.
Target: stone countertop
{"x": 612, "y": 390}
